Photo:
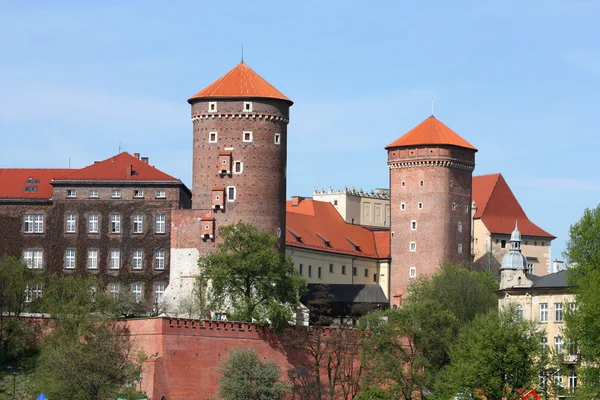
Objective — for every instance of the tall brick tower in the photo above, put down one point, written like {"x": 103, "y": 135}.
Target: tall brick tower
{"x": 430, "y": 180}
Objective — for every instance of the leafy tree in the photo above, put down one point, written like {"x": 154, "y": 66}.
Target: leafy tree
{"x": 246, "y": 377}
{"x": 249, "y": 275}
{"x": 495, "y": 356}
{"x": 373, "y": 393}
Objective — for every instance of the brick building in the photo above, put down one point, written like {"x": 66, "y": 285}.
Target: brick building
{"x": 111, "y": 219}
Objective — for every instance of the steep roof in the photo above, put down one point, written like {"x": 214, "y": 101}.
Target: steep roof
{"x": 498, "y": 207}
{"x": 431, "y": 132}
{"x": 349, "y": 293}
{"x": 557, "y": 280}
{"x": 28, "y": 183}
{"x": 240, "y": 82}
{"x": 316, "y": 225}
{"x": 116, "y": 169}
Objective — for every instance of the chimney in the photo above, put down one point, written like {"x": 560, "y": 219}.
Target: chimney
{"x": 136, "y": 155}
{"x": 128, "y": 170}
{"x": 296, "y": 200}
{"x": 145, "y": 160}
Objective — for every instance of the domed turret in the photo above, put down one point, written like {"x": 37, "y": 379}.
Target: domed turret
{"x": 514, "y": 259}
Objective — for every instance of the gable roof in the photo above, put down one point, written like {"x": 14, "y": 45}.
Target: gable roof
{"x": 348, "y": 293}
{"x": 14, "y": 181}
{"x": 116, "y": 169}
{"x": 498, "y": 207}
{"x": 557, "y": 280}
{"x": 240, "y": 82}
{"x": 431, "y": 132}
{"x": 316, "y": 225}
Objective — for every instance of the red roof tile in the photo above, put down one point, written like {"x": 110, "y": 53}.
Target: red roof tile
{"x": 316, "y": 225}
{"x": 241, "y": 81}
{"x": 115, "y": 169}
{"x": 13, "y": 182}
{"x": 498, "y": 207}
{"x": 431, "y": 132}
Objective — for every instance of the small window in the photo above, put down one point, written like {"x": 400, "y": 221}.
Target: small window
{"x": 71, "y": 223}
{"x": 160, "y": 223}
{"x": 413, "y": 225}
{"x": 238, "y": 167}
{"x": 93, "y": 193}
{"x": 159, "y": 291}
{"x": 451, "y": 183}
{"x": 354, "y": 272}
{"x": 115, "y": 223}
{"x": 459, "y": 248}
{"x": 460, "y": 227}
{"x": 301, "y": 270}
{"x": 33, "y": 223}
{"x": 535, "y": 243}
{"x": 138, "y": 193}
{"x": 138, "y": 223}
{"x": 543, "y": 312}
{"x": 366, "y": 272}
{"x": 343, "y": 270}
{"x": 277, "y": 138}
{"x": 212, "y": 106}
{"x": 115, "y": 259}
{"x": 247, "y": 137}
{"x": 403, "y": 206}
{"x": 92, "y": 262}
{"x": 93, "y": 223}
{"x": 420, "y": 206}
{"x": 335, "y": 202}
{"x": 212, "y": 137}
{"x": 247, "y": 106}
{"x": 231, "y": 193}
{"x": 331, "y": 268}
{"x": 159, "y": 259}
{"x": 503, "y": 244}
{"x": 136, "y": 288}
{"x": 319, "y": 272}
{"x": 278, "y": 232}
{"x": 412, "y": 273}
{"x": 161, "y": 194}
{"x": 310, "y": 271}
{"x": 403, "y": 183}
{"x": 71, "y": 193}
{"x": 375, "y": 277}
{"x": 412, "y": 246}
{"x": 33, "y": 258}
{"x": 542, "y": 243}
{"x": 453, "y": 206}
{"x": 116, "y": 194}
{"x": 466, "y": 209}
{"x": 137, "y": 258}
{"x": 558, "y": 312}
{"x": 422, "y": 183}
{"x": 70, "y": 259}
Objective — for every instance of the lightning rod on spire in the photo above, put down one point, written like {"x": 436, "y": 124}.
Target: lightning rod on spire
{"x": 432, "y": 106}
{"x": 242, "y": 52}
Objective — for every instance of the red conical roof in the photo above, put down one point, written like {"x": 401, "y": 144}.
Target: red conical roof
{"x": 431, "y": 131}
{"x": 241, "y": 81}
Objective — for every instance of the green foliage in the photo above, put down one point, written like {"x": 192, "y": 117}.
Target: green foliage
{"x": 246, "y": 377}
{"x": 250, "y": 276}
{"x": 374, "y": 393}
{"x": 494, "y": 356}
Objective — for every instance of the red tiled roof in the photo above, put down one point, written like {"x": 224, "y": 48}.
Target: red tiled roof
{"x": 115, "y": 169}
{"x": 316, "y": 225}
{"x": 241, "y": 81}
{"x": 13, "y": 182}
{"x": 431, "y": 132}
{"x": 498, "y": 207}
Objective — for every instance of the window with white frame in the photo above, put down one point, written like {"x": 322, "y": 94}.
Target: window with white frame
{"x": 558, "y": 312}
{"x": 558, "y": 344}
{"x": 33, "y": 292}
{"x": 71, "y": 193}
{"x": 115, "y": 259}
{"x": 544, "y": 342}
{"x": 247, "y": 106}
{"x": 238, "y": 167}
{"x": 459, "y": 248}
{"x": 466, "y": 209}
{"x": 403, "y": 206}
{"x": 159, "y": 291}
{"x": 116, "y": 193}
{"x": 161, "y": 194}
{"x": 412, "y": 272}
{"x": 136, "y": 262}
{"x": 92, "y": 262}
{"x": 459, "y": 227}
{"x": 247, "y": 137}
{"x": 33, "y": 258}
{"x": 519, "y": 312}
{"x": 212, "y": 137}
{"x": 115, "y": 223}
{"x": 558, "y": 380}
{"x": 113, "y": 290}
{"x": 33, "y": 223}
{"x": 93, "y": 223}
{"x": 160, "y": 223}
{"x": 412, "y": 246}
{"x": 403, "y": 183}
{"x": 572, "y": 380}
{"x": 136, "y": 288}
{"x": 278, "y": 232}
{"x": 71, "y": 223}
{"x": 572, "y": 307}
{"x": 277, "y": 138}
{"x": 212, "y": 106}
{"x": 159, "y": 259}
{"x": 138, "y": 193}
{"x": 70, "y": 259}
{"x": 420, "y": 206}
{"x": 413, "y": 225}
{"x": 93, "y": 193}
{"x": 138, "y": 222}
{"x": 451, "y": 183}
{"x": 543, "y": 312}
{"x": 231, "y": 193}
{"x": 453, "y": 206}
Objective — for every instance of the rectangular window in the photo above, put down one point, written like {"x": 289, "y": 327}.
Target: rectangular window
{"x": 160, "y": 223}
{"x": 412, "y": 246}
{"x": 138, "y": 193}
{"x": 230, "y": 193}
{"x": 137, "y": 259}
{"x": 558, "y": 312}
{"x": 544, "y": 343}
{"x": 93, "y": 223}
{"x": 343, "y": 270}
{"x": 238, "y": 167}
{"x": 33, "y": 258}
{"x": 116, "y": 194}
{"x": 115, "y": 223}
{"x": 310, "y": 271}
{"x": 503, "y": 244}
{"x": 159, "y": 259}
{"x": 412, "y": 272}
{"x": 136, "y": 288}
{"x": 71, "y": 193}
{"x": 319, "y": 273}
{"x": 277, "y": 138}
{"x": 212, "y": 137}
{"x": 33, "y": 292}
{"x": 453, "y": 206}
{"x": 413, "y": 225}
{"x": 34, "y": 223}
{"x": 422, "y": 183}
{"x": 331, "y": 268}
{"x": 70, "y": 259}
{"x": 138, "y": 221}
{"x": 159, "y": 291}
{"x": 459, "y": 248}
{"x": 572, "y": 380}
{"x": 115, "y": 259}
{"x": 247, "y": 106}
{"x": 403, "y": 183}
{"x": 71, "y": 222}
{"x": 247, "y": 137}
{"x": 161, "y": 194}
{"x": 301, "y": 270}
{"x": 366, "y": 272}
{"x": 558, "y": 345}
{"x": 354, "y": 272}
{"x": 420, "y": 206}
{"x": 113, "y": 289}
{"x": 374, "y": 277}
{"x": 93, "y": 193}
{"x": 212, "y": 106}
{"x": 403, "y": 206}
{"x": 451, "y": 183}
{"x": 459, "y": 227}
{"x": 543, "y": 312}
{"x": 572, "y": 307}
{"x": 92, "y": 262}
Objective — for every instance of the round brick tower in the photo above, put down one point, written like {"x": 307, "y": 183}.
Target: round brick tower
{"x": 430, "y": 180}
{"x": 240, "y": 151}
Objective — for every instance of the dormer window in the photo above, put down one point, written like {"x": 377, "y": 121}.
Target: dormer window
{"x": 247, "y": 137}
{"x": 212, "y": 106}
{"x": 247, "y": 106}
{"x": 212, "y": 137}
{"x": 138, "y": 193}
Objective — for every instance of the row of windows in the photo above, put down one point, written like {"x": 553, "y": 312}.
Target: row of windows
{"x": 420, "y": 206}
{"x": 247, "y": 137}
{"x": 422, "y": 183}
{"x": 35, "y": 291}
{"x": 117, "y": 194}
{"x": 246, "y": 106}
{"x": 412, "y": 247}
{"x": 558, "y": 311}
{"x": 526, "y": 242}
{"x": 413, "y": 226}
{"x": 115, "y": 223}
{"x": 34, "y": 259}
{"x": 331, "y": 271}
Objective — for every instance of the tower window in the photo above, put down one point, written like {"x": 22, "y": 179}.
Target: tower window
{"x": 238, "y": 167}
{"x": 453, "y": 206}
{"x": 459, "y": 248}
{"x": 247, "y": 106}
{"x": 413, "y": 225}
{"x": 466, "y": 209}
{"x": 212, "y": 137}
{"x": 247, "y": 137}
{"x": 413, "y": 246}
{"x": 403, "y": 183}
{"x": 412, "y": 272}
{"x": 277, "y": 138}
{"x": 403, "y": 206}
{"x": 231, "y": 195}
{"x": 422, "y": 183}
{"x": 212, "y": 106}
{"x": 460, "y": 227}
{"x": 451, "y": 183}
{"x": 420, "y": 206}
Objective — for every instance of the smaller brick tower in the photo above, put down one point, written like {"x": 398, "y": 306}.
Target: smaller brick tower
{"x": 430, "y": 180}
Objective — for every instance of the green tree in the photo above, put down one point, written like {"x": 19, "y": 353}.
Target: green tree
{"x": 373, "y": 393}
{"x": 495, "y": 356}
{"x": 251, "y": 276}
{"x": 246, "y": 377}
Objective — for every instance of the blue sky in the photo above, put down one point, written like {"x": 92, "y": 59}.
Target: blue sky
{"x": 520, "y": 80}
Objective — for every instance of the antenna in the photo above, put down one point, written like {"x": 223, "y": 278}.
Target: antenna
{"x": 432, "y": 106}
{"x": 119, "y": 148}
{"x": 69, "y": 162}
{"x": 242, "y": 52}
